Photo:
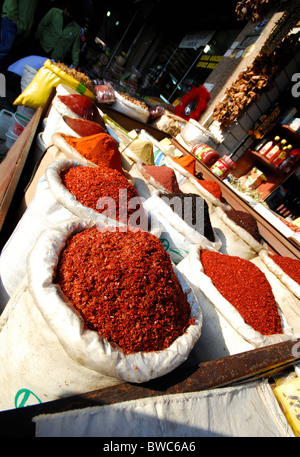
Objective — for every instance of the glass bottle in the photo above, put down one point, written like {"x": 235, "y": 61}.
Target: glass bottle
{"x": 282, "y": 155}
{"x": 276, "y": 150}
{"x": 269, "y": 145}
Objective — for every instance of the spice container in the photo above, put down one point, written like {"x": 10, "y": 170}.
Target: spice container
{"x": 206, "y": 154}
{"x": 223, "y": 166}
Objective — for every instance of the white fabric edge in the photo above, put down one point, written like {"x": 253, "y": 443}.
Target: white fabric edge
{"x": 279, "y": 273}
{"x": 156, "y": 204}
{"x": 228, "y": 311}
{"x": 86, "y": 346}
{"x": 242, "y": 233}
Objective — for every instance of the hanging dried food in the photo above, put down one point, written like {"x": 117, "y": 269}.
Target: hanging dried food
{"x": 124, "y": 286}
{"x": 253, "y": 10}
{"x": 253, "y": 80}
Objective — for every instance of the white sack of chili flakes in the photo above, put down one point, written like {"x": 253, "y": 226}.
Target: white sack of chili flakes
{"x": 34, "y": 367}
{"x": 228, "y": 311}
{"x": 69, "y": 201}
{"x": 43, "y": 211}
{"x": 218, "y": 338}
{"x": 86, "y": 346}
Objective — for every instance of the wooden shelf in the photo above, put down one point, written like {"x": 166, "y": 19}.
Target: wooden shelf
{"x": 263, "y": 160}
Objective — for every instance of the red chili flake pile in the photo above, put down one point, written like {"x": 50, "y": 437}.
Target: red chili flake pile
{"x": 246, "y": 287}
{"x": 164, "y": 176}
{"x": 290, "y": 266}
{"x": 212, "y": 187}
{"x": 124, "y": 287}
{"x": 89, "y": 184}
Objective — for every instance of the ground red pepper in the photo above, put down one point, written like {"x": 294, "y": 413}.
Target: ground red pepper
{"x": 89, "y": 184}
{"x": 290, "y": 266}
{"x": 212, "y": 187}
{"x": 124, "y": 287}
{"x": 246, "y": 287}
{"x": 100, "y": 148}
{"x": 164, "y": 176}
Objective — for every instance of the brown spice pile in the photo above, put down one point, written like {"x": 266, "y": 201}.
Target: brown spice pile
{"x": 246, "y": 221}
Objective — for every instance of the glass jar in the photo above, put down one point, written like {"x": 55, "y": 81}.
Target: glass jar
{"x": 223, "y": 166}
{"x": 206, "y": 154}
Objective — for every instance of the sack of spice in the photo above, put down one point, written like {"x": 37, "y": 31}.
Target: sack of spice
{"x": 34, "y": 367}
{"x": 53, "y": 202}
{"x": 48, "y": 77}
{"x": 286, "y": 269}
{"x": 95, "y": 193}
{"x": 235, "y": 240}
{"x": 231, "y": 285}
{"x": 43, "y": 212}
{"x": 131, "y": 106}
{"x": 244, "y": 225}
{"x": 284, "y": 287}
{"x": 187, "y": 214}
{"x": 140, "y": 150}
{"x": 99, "y": 149}
{"x": 114, "y": 334}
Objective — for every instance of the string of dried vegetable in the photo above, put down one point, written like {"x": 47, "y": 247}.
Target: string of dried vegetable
{"x": 250, "y": 82}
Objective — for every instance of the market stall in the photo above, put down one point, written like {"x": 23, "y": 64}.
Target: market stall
{"x": 190, "y": 335}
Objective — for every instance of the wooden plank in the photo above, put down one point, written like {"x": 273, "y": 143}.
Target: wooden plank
{"x": 256, "y": 364}
{"x": 12, "y": 166}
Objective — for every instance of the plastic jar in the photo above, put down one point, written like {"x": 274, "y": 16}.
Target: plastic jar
{"x": 206, "y": 154}
{"x": 223, "y": 166}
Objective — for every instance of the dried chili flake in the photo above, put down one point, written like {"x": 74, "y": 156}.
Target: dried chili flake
{"x": 246, "y": 287}
{"x": 290, "y": 266}
{"x": 124, "y": 287}
{"x": 94, "y": 186}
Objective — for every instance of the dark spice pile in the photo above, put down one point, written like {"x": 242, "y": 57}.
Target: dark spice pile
{"x": 89, "y": 184}
{"x": 193, "y": 209}
{"x": 124, "y": 287}
{"x": 246, "y": 287}
{"x": 246, "y": 221}
{"x": 290, "y": 266}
